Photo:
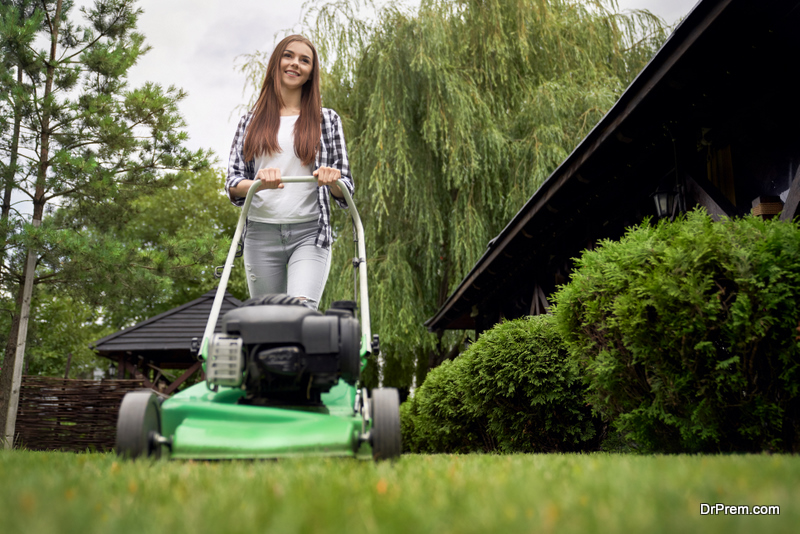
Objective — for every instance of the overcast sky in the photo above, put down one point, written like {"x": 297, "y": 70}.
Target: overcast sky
{"x": 195, "y": 43}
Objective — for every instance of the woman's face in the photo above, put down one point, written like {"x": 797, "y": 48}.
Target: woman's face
{"x": 296, "y": 65}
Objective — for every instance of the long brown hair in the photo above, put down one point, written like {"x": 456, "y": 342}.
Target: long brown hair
{"x": 262, "y": 133}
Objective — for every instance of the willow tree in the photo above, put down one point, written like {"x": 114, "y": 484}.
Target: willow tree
{"x": 454, "y": 115}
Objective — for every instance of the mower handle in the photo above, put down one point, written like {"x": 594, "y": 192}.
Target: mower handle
{"x": 366, "y": 332}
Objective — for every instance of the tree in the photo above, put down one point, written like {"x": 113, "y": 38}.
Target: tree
{"x": 87, "y": 143}
{"x": 192, "y": 219}
{"x": 19, "y": 27}
{"x": 454, "y": 116}
{"x": 60, "y": 331}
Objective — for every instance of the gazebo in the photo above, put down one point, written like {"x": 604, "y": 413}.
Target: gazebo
{"x": 146, "y": 349}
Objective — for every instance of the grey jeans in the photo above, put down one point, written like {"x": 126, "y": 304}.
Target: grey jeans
{"x": 283, "y": 258}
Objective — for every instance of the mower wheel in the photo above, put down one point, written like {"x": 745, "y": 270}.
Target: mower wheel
{"x": 385, "y": 433}
{"x": 138, "y": 425}
{"x": 281, "y": 299}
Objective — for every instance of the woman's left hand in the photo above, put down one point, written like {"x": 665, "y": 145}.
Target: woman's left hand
{"x": 328, "y": 176}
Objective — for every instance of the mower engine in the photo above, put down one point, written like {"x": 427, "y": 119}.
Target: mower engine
{"x": 285, "y": 355}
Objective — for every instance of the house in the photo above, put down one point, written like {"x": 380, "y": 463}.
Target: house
{"x": 713, "y": 120}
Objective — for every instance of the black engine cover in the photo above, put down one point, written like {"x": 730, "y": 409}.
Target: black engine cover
{"x": 295, "y": 353}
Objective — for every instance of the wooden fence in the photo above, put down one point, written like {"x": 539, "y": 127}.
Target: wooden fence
{"x": 70, "y": 415}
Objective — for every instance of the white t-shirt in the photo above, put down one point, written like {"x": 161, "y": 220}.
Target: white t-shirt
{"x": 294, "y": 203}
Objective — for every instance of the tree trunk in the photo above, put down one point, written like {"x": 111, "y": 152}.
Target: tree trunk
{"x": 7, "y": 373}
{"x": 15, "y": 367}
{"x": 69, "y": 363}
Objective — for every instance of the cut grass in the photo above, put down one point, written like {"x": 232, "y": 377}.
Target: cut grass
{"x": 96, "y": 493}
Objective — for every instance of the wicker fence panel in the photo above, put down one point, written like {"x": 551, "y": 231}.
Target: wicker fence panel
{"x": 70, "y": 415}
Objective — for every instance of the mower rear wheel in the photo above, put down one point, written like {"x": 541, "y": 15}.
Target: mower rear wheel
{"x": 138, "y": 425}
{"x": 385, "y": 433}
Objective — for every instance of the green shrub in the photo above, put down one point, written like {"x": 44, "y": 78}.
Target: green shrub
{"x": 436, "y": 419}
{"x": 686, "y": 333}
{"x": 514, "y": 390}
{"x": 524, "y": 386}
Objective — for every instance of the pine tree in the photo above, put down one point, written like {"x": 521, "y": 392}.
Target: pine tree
{"x": 87, "y": 143}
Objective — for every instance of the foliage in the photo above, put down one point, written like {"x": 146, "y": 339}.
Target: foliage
{"x": 177, "y": 234}
{"x": 62, "y": 325}
{"x": 84, "y": 142}
{"x": 529, "y": 392}
{"x": 437, "y": 418}
{"x": 686, "y": 333}
{"x": 454, "y": 116}
{"x": 566, "y": 493}
{"x": 194, "y": 212}
{"x": 513, "y": 390}
{"x": 88, "y": 139}
{"x": 192, "y": 221}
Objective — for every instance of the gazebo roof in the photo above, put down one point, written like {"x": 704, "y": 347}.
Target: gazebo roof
{"x": 166, "y": 339}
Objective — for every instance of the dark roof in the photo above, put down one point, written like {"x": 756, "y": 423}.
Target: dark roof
{"x": 737, "y": 51}
{"x": 165, "y": 339}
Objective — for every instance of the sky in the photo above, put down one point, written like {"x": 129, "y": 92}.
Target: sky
{"x": 195, "y": 44}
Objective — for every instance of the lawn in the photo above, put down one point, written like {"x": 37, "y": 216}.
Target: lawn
{"x": 96, "y": 493}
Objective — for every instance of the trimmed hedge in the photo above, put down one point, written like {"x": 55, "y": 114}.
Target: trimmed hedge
{"x": 514, "y": 390}
{"x": 436, "y": 419}
{"x": 686, "y": 333}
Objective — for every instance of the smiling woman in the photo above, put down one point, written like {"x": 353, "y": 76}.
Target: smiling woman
{"x": 287, "y": 245}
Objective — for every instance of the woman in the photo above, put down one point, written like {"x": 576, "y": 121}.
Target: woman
{"x": 287, "y": 246}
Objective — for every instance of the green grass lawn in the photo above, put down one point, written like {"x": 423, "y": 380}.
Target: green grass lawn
{"x": 95, "y": 493}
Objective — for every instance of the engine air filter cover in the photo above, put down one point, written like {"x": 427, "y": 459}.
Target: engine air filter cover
{"x": 225, "y": 361}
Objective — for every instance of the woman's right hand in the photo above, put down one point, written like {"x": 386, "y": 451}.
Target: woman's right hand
{"x": 270, "y": 178}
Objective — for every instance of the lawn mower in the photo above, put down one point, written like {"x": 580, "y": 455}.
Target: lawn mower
{"x": 282, "y": 380}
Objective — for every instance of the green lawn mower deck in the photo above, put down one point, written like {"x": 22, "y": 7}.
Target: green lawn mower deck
{"x": 281, "y": 380}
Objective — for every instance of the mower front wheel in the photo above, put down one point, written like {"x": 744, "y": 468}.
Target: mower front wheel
{"x": 139, "y": 425}
{"x": 385, "y": 433}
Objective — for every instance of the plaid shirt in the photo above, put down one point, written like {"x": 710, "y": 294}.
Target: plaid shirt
{"x": 332, "y": 153}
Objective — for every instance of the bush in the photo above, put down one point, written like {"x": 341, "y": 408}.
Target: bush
{"x": 514, "y": 390}
{"x": 436, "y": 419}
{"x": 686, "y": 332}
